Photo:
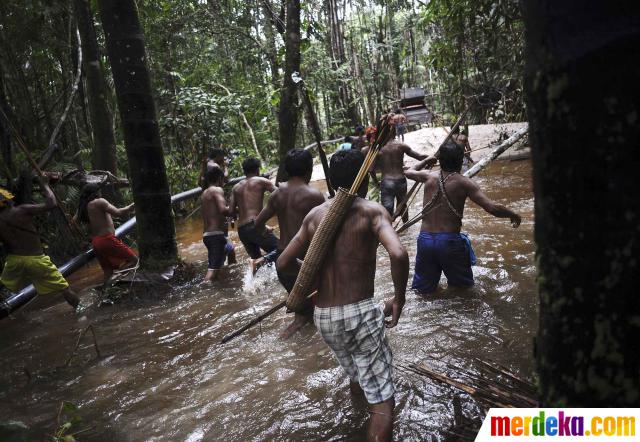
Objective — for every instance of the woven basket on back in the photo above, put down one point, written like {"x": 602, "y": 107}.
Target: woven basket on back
{"x": 320, "y": 243}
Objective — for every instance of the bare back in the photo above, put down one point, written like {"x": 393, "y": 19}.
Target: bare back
{"x": 18, "y": 232}
{"x": 441, "y": 218}
{"x": 248, "y": 197}
{"x": 292, "y": 201}
{"x": 214, "y": 209}
{"x": 348, "y": 272}
{"x": 99, "y": 218}
{"x": 390, "y": 161}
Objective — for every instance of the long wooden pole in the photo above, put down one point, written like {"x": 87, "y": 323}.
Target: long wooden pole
{"x": 32, "y": 161}
{"x": 315, "y": 128}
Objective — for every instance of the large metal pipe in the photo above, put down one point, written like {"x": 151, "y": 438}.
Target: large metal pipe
{"x": 20, "y": 299}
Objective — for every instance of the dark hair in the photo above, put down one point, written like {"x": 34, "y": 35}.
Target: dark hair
{"x": 251, "y": 165}
{"x": 89, "y": 193}
{"x": 215, "y": 153}
{"x": 451, "y": 156}
{"x": 347, "y": 139}
{"x": 298, "y": 162}
{"x": 359, "y": 129}
{"x": 213, "y": 175}
{"x": 344, "y": 167}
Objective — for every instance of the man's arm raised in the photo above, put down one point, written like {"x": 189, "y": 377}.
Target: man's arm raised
{"x": 48, "y": 204}
{"x": 114, "y": 211}
{"x": 399, "y": 263}
{"x": 498, "y": 210}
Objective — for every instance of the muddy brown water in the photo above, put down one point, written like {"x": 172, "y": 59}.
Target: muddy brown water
{"x": 163, "y": 376}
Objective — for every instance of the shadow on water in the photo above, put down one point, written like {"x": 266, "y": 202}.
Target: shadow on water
{"x": 163, "y": 375}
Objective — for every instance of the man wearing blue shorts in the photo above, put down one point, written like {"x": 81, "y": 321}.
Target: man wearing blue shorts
{"x": 441, "y": 246}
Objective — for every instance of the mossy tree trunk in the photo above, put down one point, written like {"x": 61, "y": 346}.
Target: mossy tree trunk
{"x": 582, "y": 98}
{"x": 127, "y": 55}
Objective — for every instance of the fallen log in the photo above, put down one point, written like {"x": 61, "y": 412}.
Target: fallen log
{"x": 80, "y": 178}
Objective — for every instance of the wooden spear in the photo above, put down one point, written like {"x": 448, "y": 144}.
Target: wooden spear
{"x": 315, "y": 128}
{"x": 37, "y": 169}
{"x": 257, "y": 320}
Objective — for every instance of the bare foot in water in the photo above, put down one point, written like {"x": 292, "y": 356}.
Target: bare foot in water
{"x": 298, "y": 322}
{"x": 256, "y": 264}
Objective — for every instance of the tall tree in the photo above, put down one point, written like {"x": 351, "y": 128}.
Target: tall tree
{"x": 288, "y": 114}
{"x": 104, "y": 149}
{"x": 127, "y": 55}
{"x": 583, "y": 113}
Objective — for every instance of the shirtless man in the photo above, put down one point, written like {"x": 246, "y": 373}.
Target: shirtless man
{"x": 291, "y": 202}
{"x": 113, "y": 254}
{"x": 393, "y": 185}
{"x": 399, "y": 121}
{"x": 216, "y": 158}
{"x": 214, "y": 213}
{"x": 462, "y": 139}
{"x": 441, "y": 246}
{"x": 26, "y": 263}
{"x": 348, "y": 319}
{"x": 247, "y": 199}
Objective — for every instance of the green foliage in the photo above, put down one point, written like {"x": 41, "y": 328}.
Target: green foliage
{"x": 211, "y": 61}
{"x": 68, "y": 422}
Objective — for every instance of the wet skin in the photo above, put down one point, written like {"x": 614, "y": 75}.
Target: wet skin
{"x": 291, "y": 202}
{"x": 214, "y": 213}
{"x": 100, "y": 213}
{"x": 390, "y": 160}
{"x": 347, "y": 274}
{"x": 247, "y": 197}
{"x": 19, "y": 234}
{"x": 458, "y": 188}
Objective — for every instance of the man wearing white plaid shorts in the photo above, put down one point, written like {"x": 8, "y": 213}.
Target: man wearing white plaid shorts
{"x": 350, "y": 322}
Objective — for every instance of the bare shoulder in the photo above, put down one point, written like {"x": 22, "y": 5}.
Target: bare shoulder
{"x": 314, "y": 193}
{"x": 315, "y": 215}
{"x": 98, "y": 203}
{"x": 211, "y": 192}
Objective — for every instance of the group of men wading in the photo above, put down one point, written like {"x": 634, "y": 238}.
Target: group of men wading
{"x": 344, "y": 312}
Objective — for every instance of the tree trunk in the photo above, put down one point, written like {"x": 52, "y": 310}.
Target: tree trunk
{"x": 104, "y": 149}
{"x": 583, "y": 114}
{"x": 126, "y": 50}
{"x": 270, "y": 43}
{"x": 288, "y": 114}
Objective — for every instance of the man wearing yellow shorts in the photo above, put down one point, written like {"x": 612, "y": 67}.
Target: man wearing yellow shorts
{"x": 26, "y": 263}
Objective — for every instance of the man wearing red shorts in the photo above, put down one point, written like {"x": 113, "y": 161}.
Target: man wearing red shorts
{"x": 112, "y": 253}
